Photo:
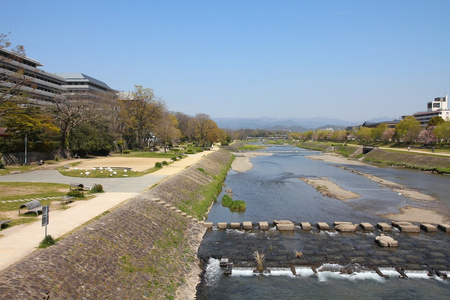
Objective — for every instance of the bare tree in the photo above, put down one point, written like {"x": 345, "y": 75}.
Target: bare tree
{"x": 12, "y": 82}
{"x": 167, "y": 130}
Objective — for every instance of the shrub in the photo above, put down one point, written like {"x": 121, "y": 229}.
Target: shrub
{"x": 174, "y": 158}
{"x": 126, "y": 152}
{"x": 158, "y": 165}
{"x": 227, "y": 201}
{"x": 165, "y": 163}
{"x": 47, "y": 242}
{"x": 75, "y": 193}
{"x": 190, "y": 151}
{"x": 238, "y": 205}
{"x": 97, "y": 188}
{"x": 2, "y": 165}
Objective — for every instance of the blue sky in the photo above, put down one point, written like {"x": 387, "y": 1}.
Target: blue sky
{"x": 351, "y": 60}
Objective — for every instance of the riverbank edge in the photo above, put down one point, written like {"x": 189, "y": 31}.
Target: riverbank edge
{"x": 423, "y": 162}
{"x": 141, "y": 249}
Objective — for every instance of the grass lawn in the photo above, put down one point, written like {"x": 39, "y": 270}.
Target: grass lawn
{"x": 251, "y": 147}
{"x": 116, "y": 173}
{"x": 28, "y": 190}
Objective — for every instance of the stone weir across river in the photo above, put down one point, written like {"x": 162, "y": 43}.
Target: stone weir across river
{"x": 415, "y": 251}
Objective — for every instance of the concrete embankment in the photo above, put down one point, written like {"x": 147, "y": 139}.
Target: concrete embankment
{"x": 410, "y": 160}
{"x": 141, "y": 250}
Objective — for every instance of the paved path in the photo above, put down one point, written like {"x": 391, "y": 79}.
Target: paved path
{"x": 416, "y": 150}
{"x": 19, "y": 241}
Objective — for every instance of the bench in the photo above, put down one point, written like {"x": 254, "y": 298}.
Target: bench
{"x": 33, "y": 206}
{"x": 66, "y": 200}
{"x": 79, "y": 187}
{"x": 4, "y": 223}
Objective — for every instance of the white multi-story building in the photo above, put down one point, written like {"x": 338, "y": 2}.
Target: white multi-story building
{"x": 437, "y": 107}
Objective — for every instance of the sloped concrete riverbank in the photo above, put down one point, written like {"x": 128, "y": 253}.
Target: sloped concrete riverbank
{"x": 140, "y": 250}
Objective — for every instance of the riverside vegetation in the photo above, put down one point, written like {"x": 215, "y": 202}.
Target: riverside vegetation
{"x": 419, "y": 161}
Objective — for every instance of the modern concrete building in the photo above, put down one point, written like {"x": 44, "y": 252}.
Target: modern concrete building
{"x": 41, "y": 87}
{"x": 38, "y": 86}
{"x": 81, "y": 82}
{"x": 437, "y": 107}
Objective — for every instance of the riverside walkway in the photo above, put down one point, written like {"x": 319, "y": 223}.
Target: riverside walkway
{"x": 19, "y": 241}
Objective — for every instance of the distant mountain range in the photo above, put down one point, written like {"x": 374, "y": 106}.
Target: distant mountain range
{"x": 293, "y": 124}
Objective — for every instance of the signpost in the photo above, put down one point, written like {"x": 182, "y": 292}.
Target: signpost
{"x": 45, "y": 215}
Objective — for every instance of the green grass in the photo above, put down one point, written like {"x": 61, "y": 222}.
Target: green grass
{"x": 251, "y": 147}
{"x": 104, "y": 173}
{"x": 29, "y": 190}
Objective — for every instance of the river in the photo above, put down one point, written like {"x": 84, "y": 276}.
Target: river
{"x": 272, "y": 190}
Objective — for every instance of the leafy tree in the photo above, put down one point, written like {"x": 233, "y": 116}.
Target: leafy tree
{"x": 408, "y": 129}
{"x": 29, "y": 120}
{"x": 91, "y": 138}
{"x": 378, "y": 131}
{"x": 436, "y": 120}
{"x": 364, "y": 134}
{"x": 206, "y": 130}
{"x": 442, "y": 132}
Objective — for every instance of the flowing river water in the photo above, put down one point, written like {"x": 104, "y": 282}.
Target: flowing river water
{"x": 272, "y": 190}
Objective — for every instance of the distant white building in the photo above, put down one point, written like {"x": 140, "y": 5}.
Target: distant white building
{"x": 437, "y": 107}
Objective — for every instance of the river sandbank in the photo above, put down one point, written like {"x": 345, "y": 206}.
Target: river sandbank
{"x": 330, "y": 189}
{"x": 242, "y": 162}
{"x": 409, "y": 213}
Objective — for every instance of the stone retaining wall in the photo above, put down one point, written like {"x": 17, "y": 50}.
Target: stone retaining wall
{"x": 140, "y": 250}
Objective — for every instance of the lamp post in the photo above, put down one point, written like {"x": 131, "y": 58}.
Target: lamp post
{"x": 26, "y": 148}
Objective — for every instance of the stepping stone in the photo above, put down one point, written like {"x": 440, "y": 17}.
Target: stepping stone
{"x": 263, "y": 226}
{"x": 178, "y": 211}
{"x": 323, "y": 226}
{"x": 234, "y": 225}
{"x": 367, "y": 226}
{"x": 338, "y": 223}
{"x": 444, "y": 227}
{"x": 306, "y": 226}
{"x": 189, "y": 216}
{"x": 208, "y": 224}
{"x": 346, "y": 227}
{"x": 406, "y": 227}
{"x": 384, "y": 226}
{"x": 386, "y": 241}
{"x": 3, "y": 201}
{"x": 286, "y": 226}
{"x": 247, "y": 225}
{"x": 184, "y": 214}
{"x": 222, "y": 225}
{"x": 167, "y": 205}
{"x": 173, "y": 208}
{"x": 428, "y": 227}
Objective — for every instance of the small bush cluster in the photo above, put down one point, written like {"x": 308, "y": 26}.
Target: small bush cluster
{"x": 75, "y": 193}
{"x": 2, "y": 165}
{"x": 47, "y": 242}
{"x": 97, "y": 188}
{"x": 174, "y": 158}
{"x": 234, "y": 205}
{"x": 158, "y": 165}
{"x": 165, "y": 163}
